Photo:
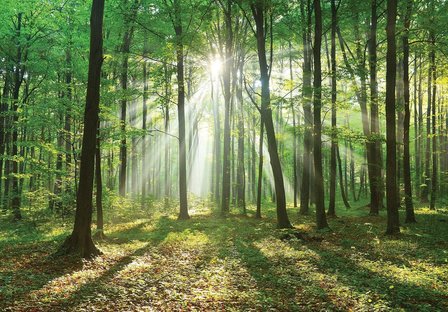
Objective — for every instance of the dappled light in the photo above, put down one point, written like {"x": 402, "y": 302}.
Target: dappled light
{"x": 223, "y": 155}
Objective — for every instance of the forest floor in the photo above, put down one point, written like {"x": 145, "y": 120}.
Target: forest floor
{"x": 233, "y": 264}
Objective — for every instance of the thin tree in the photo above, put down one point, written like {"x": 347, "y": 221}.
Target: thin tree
{"x": 433, "y": 72}
{"x": 178, "y": 28}
{"x": 393, "y": 223}
{"x": 375, "y": 142}
{"x": 306, "y": 94}
{"x": 321, "y": 219}
{"x": 226, "y": 79}
{"x": 259, "y": 9}
{"x": 334, "y": 142}
{"x": 410, "y": 216}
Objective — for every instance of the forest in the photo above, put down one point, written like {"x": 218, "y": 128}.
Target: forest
{"x": 223, "y": 155}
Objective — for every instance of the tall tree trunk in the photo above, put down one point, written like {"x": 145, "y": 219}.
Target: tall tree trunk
{"x": 321, "y": 220}
{"x": 145, "y": 175}
{"x": 127, "y": 37}
{"x": 253, "y": 160}
{"x": 393, "y": 224}
{"x": 410, "y": 217}
{"x": 416, "y": 133}
{"x": 420, "y": 125}
{"x": 217, "y": 143}
{"x": 18, "y": 79}
{"x": 307, "y": 94}
{"x": 334, "y": 142}
{"x": 226, "y": 77}
{"x": 241, "y": 172}
{"x": 4, "y": 129}
{"x": 427, "y": 179}
{"x": 375, "y": 140}
{"x": 68, "y": 120}
{"x": 294, "y": 126}
{"x": 258, "y": 11}
{"x": 433, "y": 72}
{"x": 80, "y": 241}
{"x": 178, "y": 28}
{"x": 166, "y": 129}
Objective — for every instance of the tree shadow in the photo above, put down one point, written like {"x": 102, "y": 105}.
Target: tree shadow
{"x": 274, "y": 283}
{"x": 33, "y": 268}
{"x": 397, "y": 293}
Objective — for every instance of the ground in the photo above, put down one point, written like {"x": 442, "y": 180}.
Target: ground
{"x": 235, "y": 264}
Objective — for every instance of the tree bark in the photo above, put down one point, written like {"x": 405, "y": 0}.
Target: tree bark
{"x": 410, "y": 216}
{"x": 226, "y": 78}
{"x": 183, "y": 211}
{"x": 307, "y": 94}
{"x": 145, "y": 175}
{"x": 432, "y": 204}
{"x": 334, "y": 142}
{"x": 80, "y": 241}
{"x": 241, "y": 172}
{"x": 259, "y": 10}
{"x": 393, "y": 225}
{"x": 18, "y": 79}
{"x": 321, "y": 220}
{"x": 375, "y": 140}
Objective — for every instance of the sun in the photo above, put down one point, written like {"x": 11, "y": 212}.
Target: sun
{"x": 215, "y": 65}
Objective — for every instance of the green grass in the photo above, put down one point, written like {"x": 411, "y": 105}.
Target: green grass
{"x": 238, "y": 263}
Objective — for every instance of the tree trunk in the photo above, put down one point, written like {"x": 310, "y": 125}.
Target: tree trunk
{"x": 393, "y": 224}
{"x": 334, "y": 142}
{"x": 410, "y": 217}
{"x": 241, "y": 173}
{"x": 226, "y": 78}
{"x": 124, "y": 86}
{"x": 145, "y": 175}
{"x": 375, "y": 140}
{"x": 259, "y": 11}
{"x": 321, "y": 220}
{"x": 294, "y": 137}
{"x": 18, "y": 79}
{"x": 427, "y": 180}
{"x": 307, "y": 93}
{"x": 80, "y": 241}
{"x": 432, "y": 204}
{"x": 4, "y": 130}
{"x": 183, "y": 211}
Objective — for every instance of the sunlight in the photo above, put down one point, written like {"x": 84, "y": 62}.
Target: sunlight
{"x": 215, "y": 65}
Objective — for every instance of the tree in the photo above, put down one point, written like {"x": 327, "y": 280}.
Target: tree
{"x": 226, "y": 79}
{"x": 308, "y": 116}
{"x": 393, "y": 223}
{"x": 178, "y": 29}
{"x": 321, "y": 220}
{"x": 258, "y": 8}
{"x": 334, "y": 143}
{"x": 80, "y": 241}
{"x": 410, "y": 217}
{"x": 125, "y": 49}
{"x": 375, "y": 140}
